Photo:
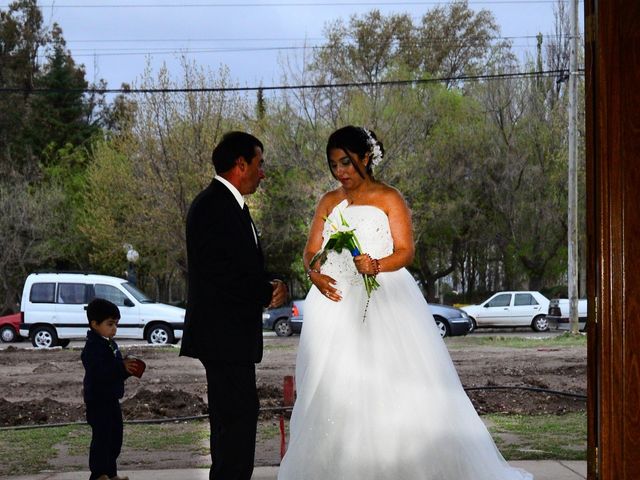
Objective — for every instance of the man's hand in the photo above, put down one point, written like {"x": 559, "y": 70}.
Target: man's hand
{"x": 279, "y": 295}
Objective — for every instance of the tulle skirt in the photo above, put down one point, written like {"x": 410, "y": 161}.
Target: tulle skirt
{"x": 378, "y": 396}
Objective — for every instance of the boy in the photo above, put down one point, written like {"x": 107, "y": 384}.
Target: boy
{"x": 105, "y": 373}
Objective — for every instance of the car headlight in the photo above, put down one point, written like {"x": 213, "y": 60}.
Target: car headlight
{"x": 464, "y": 314}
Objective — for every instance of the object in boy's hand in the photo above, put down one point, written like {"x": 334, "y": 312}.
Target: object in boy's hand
{"x": 137, "y": 366}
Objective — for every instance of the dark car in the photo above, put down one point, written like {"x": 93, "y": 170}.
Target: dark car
{"x": 451, "y": 321}
{"x": 10, "y": 327}
{"x": 285, "y": 321}
{"x": 297, "y": 314}
{"x": 277, "y": 319}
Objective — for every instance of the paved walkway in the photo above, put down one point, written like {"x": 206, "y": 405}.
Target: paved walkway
{"x": 541, "y": 470}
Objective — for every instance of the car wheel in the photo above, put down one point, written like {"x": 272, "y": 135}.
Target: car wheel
{"x": 474, "y": 325}
{"x": 160, "y": 334}
{"x": 282, "y": 328}
{"x": 7, "y": 334}
{"x": 443, "y": 327}
{"x": 44, "y": 337}
{"x": 540, "y": 323}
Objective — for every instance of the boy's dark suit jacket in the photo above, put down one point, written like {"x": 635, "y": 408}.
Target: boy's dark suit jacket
{"x": 228, "y": 286}
{"x": 104, "y": 370}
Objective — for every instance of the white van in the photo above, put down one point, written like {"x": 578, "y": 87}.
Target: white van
{"x": 54, "y": 309}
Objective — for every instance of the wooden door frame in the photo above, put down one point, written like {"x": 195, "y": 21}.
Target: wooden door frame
{"x": 612, "y": 66}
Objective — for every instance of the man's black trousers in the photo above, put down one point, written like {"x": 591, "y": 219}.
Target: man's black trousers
{"x": 233, "y": 415}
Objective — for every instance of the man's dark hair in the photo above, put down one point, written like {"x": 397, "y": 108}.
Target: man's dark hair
{"x": 100, "y": 309}
{"x": 232, "y": 146}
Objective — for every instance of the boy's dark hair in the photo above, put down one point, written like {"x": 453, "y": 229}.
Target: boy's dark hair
{"x": 100, "y": 309}
{"x": 232, "y": 146}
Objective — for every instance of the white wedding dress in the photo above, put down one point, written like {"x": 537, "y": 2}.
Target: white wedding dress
{"x": 378, "y": 398}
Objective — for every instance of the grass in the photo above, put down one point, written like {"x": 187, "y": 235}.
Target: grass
{"x": 540, "y": 437}
{"x": 171, "y": 436}
{"x": 519, "y": 437}
{"x": 275, "y": 346}
{"x": 27, "y": 451}
{"x": 561, "y": 341}
{"x": 268, "y": 432}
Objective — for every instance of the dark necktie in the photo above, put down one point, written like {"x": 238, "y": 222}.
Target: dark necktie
{"x": 247, "y": 216}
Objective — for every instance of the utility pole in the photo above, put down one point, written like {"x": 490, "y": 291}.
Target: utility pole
{"x": 573, "y": 171}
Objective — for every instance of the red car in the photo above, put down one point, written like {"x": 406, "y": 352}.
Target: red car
{"x": 10, "y": 327}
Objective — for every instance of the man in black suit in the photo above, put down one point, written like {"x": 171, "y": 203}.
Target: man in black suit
{"x": 228, "y": 288}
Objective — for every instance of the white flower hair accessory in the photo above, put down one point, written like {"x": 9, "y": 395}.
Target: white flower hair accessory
{"x": 376, "y": 152}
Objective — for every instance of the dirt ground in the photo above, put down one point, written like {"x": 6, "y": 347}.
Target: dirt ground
{"x": 40, "y": 386}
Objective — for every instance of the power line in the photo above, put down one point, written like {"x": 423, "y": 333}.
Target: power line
{"x": 274, "y": 39}
{"x": 218, "y": 39}
{"x": 418, "y": 81}
{"x": 187, "y": 49}
{"x": 122, "y": 52}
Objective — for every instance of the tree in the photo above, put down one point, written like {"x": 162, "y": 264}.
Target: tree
{"x": 27, "y": 228}
{"x": 144, "y": 178}
{"x": 451, "y": 41}
{"x": 63, "y": 116}
{"x": 21, "y": 37}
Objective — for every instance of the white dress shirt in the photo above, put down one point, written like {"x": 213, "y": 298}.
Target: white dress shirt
{"x": 238, "y": 196}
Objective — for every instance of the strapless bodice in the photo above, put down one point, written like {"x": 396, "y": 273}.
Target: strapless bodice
{"x": 372, "y": 231}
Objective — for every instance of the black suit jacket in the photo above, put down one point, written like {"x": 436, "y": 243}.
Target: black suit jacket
{"x": 104, "y": 370}
{"x": 228, "y": 285}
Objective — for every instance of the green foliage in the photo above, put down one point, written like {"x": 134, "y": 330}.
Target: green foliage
{"x": 482, "y": 165}
{"x": 44, "y": 139}
{"x": 62, "y": 116}
{"x": 109, "y": 202}
{"x": 29, "y": 228}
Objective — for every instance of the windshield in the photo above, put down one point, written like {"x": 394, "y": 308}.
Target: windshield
{"x": 141, "y": 297}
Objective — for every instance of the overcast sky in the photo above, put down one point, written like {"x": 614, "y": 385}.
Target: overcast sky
{"x": 113, "y": 38}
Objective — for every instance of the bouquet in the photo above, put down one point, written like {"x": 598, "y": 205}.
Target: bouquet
{"x": 344, "y": 237}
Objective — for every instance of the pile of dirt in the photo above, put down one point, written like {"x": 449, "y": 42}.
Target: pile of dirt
{"x": 176, "y": 386}
{"x": 47, "y": 367}
{"x": 524, "y": 402}
{"x": 165, "y": 403}
{"x": 37, "y": 412}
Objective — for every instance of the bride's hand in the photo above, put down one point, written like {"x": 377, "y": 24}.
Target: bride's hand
{"x": 365, "y": 264}
{"x": 326, "y": 285}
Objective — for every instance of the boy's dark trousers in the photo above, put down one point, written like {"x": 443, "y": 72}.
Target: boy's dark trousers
{"x": 105, "y": 418}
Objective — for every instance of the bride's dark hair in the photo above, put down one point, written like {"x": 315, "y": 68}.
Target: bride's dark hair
{"x": 354, "y": 140}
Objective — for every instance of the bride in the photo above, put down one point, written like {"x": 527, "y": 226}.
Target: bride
{"x": 378, "y": 397}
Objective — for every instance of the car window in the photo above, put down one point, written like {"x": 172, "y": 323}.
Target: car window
{"x": 524, "y": 299}
{"x": 42, "y": 293}
{"x": 503, "y": 300}
{"x": 139, "y": 295}
{"x": 110, "y": 293}
{"x": 73, "y": 293}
